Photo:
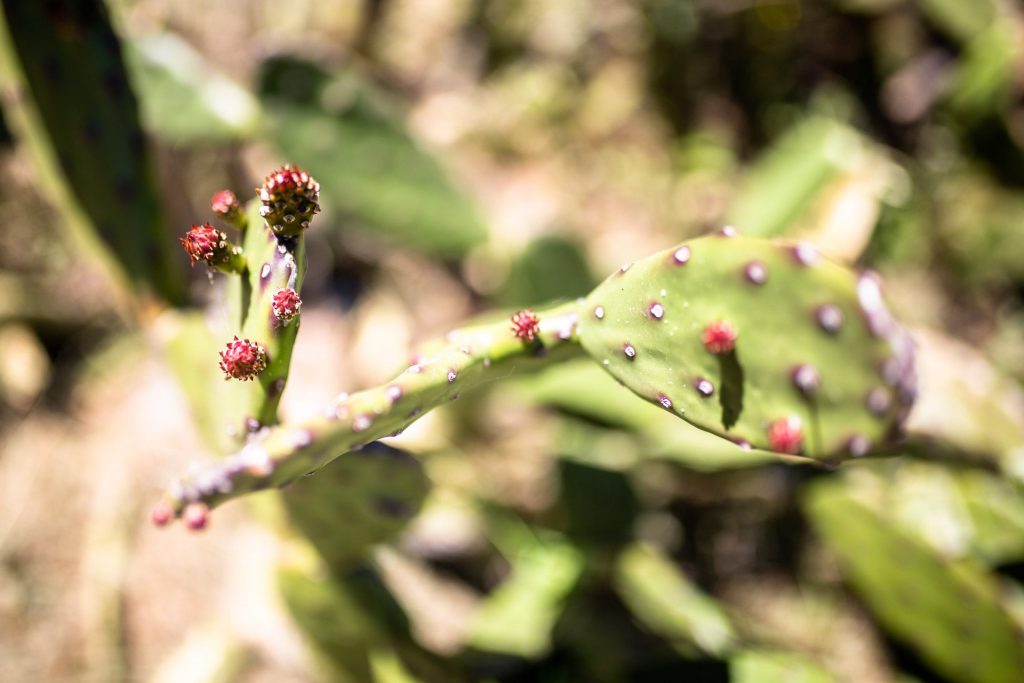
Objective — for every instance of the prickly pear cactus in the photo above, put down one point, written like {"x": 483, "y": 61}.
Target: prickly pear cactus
{"x": 357, "y": 501}
{"x": 83, "y": 126}
{"x": 765, "y": 343}
{"x": 949, "y": 611}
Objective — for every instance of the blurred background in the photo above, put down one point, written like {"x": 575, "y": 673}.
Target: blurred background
{"x": 479, "y": 154}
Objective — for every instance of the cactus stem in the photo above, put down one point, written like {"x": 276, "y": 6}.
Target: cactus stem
{"x": 275, "y": 457}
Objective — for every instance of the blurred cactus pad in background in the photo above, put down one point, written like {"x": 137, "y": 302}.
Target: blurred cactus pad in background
{"x": 512, "y": 340}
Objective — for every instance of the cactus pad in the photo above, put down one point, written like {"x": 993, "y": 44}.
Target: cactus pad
{"x": 761, "y": 342}
{"x": 357, "y": 501}
{"x": 951, "y": 612}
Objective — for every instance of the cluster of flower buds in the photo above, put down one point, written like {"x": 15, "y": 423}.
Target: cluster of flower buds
{"x": 290, "y": 198}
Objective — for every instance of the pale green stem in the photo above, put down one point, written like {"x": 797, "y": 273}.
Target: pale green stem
{"x": 466, "y": 358}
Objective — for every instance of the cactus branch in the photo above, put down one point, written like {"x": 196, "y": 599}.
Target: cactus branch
{"x": 467, "y": 357}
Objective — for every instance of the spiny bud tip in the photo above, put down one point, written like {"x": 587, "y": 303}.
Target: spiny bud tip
{"x": 286, "y": 304}
{"x": 205, "y": 243}
{"x": 242, "y": 359}
{"x": 290, "y": 199}
{"x": 225, "y": 204}
{"x": 525, "y": 325}
{"x": 719, "y": 337}
{"x": 162, "y": 514}
{"x": 196, "y": 516}
{"x": 786, "y": 435}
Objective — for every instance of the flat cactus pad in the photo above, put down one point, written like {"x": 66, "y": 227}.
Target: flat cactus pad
{"x": 762, "y": 342}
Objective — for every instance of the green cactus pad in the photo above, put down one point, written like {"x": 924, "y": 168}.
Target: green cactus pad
{"x": 357, "y": 501}
{"x": 80, "y": 119}
{"x": 950, "y": 611}
{"x": 669, "y": 605}
{"x": 767, "y": 666}
{"x": 518, "y": 617}
{"x": 799, "y": 320}
{"x": 357, "y": 627}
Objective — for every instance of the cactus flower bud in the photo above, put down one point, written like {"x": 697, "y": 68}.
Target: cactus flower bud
{"x": 525, "y": 325}
{"x": 196, "y": 516}
{"x": 209, "y": 245}
{"x": 286, "y": 304}
{"x": 786, "y": 435}
{"x": 162, "y": 514}
{"x": 719, "y": 337}
{"x": 290, "y": 199}
{"x": 225, "y": 204}
{"x": 242, "y": 359}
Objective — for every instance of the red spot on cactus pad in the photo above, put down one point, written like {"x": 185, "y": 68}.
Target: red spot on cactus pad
{"x": 719, "y": 337}
{"x": 286, "y": 304}
{"x": 205, "y": 243}
{"x": 242, "y": 359}
{"x": 290, "y": 198}
{"x": 786, "y": 435}
{"x": 225, "y": 204}
{"x": 525, "y": 325}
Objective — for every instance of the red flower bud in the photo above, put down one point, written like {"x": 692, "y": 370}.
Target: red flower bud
{"x": 525, "y": 325}
{"x": 290, "y": 199}
{"x": 196, "y": 516}
{"x": 719, "y": 337}
{"x": 162, "y": 514}
{"x": 786, "y": 435}
{"x": 225, "y": 204}
{"x": 286, "y": 304}
{"x": 242, "y": 359}
{"x": 205, "y": 243}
